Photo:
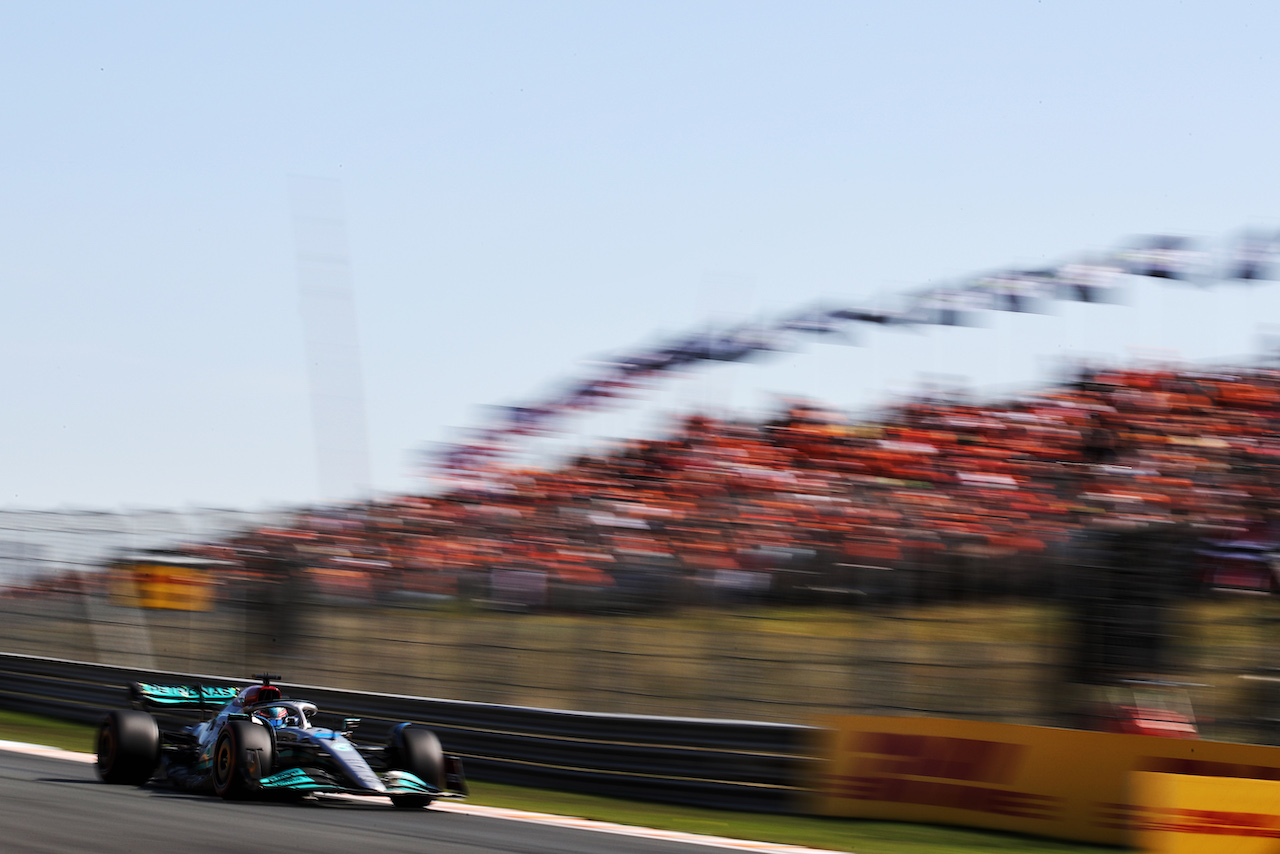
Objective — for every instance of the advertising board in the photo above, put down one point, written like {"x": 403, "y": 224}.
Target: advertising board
{"x": 1068, "y": 784}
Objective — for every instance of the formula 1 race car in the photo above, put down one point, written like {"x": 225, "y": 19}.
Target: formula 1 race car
{"x": 253, "y": 742}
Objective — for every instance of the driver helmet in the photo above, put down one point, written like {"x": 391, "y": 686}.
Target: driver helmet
{"x": 275, "y": 716}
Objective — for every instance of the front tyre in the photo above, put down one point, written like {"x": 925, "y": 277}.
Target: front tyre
{"x": 417, "y": 750}
{"x": 242, "y": 756}
{"x": 128, "y": 748}
{"x": 411, "y": 802}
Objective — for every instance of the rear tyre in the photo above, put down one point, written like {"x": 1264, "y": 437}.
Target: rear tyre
{"x": 417, "y": 750}
{"x": 242, "y": 755}
{"x": 128, "y": 748}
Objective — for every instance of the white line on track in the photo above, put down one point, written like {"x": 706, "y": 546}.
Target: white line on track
{"x": 47, "y": 752}
{"x": 509, "y": 814}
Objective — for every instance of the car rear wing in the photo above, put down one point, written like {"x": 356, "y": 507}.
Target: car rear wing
{"x": 147, "y": 695}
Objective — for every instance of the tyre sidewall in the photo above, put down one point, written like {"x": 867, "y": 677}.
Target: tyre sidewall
{"x": 242, "y": 755}
{"x": 128, "y": 747}
{"x": 417, "y": 750}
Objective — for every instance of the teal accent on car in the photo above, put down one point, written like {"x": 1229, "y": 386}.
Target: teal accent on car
{"x": 185, "y": 696}
{"x": 404, "y": 783}
{"x": 294, "y": 778}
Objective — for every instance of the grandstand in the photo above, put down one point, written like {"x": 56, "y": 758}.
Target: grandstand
{"x": 937, "y": 500}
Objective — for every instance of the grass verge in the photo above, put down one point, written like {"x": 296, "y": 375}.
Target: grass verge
{"x": 862, "y": 837}
{"x": 18, "y": 726}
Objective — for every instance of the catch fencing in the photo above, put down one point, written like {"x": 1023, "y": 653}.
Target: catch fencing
{"x": 1005, "y": 662}
{"x": 766, "y": 664}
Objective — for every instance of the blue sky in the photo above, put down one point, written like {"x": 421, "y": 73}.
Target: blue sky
{"x": 530, "y": 185}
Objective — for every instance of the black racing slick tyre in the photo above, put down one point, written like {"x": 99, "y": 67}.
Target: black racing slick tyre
{"x": 128, "y": 748}
{"x": 242, "y": 755}
{"x": 417, "y": 750}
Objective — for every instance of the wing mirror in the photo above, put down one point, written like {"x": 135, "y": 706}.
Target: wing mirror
{"x": 349, "y": 725}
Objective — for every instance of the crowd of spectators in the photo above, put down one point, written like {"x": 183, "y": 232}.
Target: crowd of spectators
{"x": 936, "y": 498}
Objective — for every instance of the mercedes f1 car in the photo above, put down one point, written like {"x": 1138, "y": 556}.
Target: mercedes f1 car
{"x": 254, "y": 742}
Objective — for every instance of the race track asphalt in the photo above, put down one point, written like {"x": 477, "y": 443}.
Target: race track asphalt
{"x": 54, "y": 806}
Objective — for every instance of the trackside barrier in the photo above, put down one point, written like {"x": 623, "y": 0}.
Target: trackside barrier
{"x": 1069, "y": 784}
{"x": 725, "y": 764}
{"x": 1186, "y": 814}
